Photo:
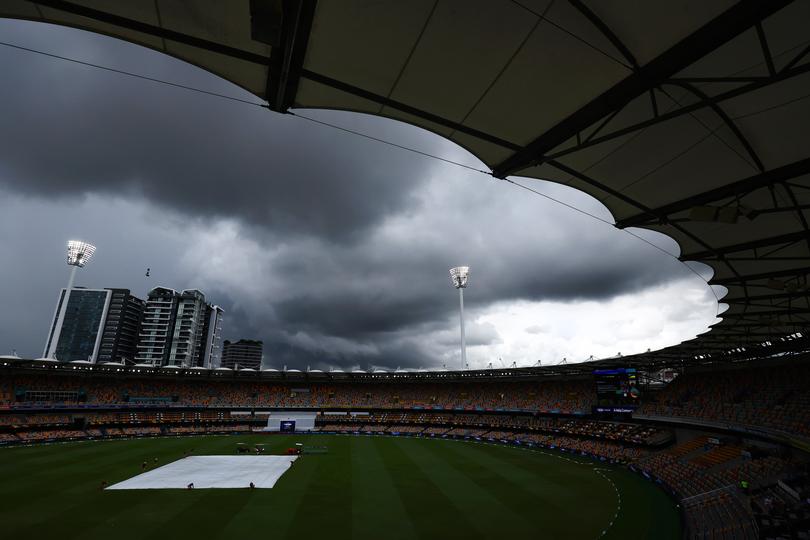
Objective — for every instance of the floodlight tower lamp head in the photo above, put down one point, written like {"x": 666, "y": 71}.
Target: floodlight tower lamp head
{"x": 79, "y": 253}
{"x": 459, "y": 276}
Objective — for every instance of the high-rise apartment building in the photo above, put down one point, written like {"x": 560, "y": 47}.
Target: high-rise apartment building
{"x": 213, "y": 337}
{"x": 245, "y": 353}
{"x": 100, "y": 325}
{"x": 157, "y": 326}
{"x": 179, "y": 329}
{"x": 188, "y": 329}
{"x": 119, "y": 340}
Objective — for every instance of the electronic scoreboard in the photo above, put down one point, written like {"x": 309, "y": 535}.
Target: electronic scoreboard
{"x": 617, "y": 389}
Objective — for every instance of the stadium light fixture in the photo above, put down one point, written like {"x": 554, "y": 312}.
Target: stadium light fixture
{"x": 459, "y": 276}
{"x": 78, "y": 255}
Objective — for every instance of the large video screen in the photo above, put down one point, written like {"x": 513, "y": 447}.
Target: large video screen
{"x": 617, "y": 387}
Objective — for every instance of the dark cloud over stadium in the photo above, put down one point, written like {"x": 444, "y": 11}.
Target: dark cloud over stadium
{"x": 332, "y": 248}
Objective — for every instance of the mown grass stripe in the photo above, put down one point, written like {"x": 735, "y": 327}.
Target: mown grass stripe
{"x": 432, "y": 513}
{"x": 197, "y": 511}
{"x": 521, "y": 493}
{"x": 317, "y": 508}
{"x": 377, "y": 505}
{"x": 82, "y": 483}
{"x": 486, "y": 491}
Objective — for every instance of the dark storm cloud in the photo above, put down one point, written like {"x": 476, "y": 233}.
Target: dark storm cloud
{"x": 344, "y": 243}
{"x": 70, "y": 129}
{"x": 426, "y": 295}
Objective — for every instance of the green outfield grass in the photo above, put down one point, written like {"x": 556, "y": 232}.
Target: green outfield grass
{"x": 365, "y": 487}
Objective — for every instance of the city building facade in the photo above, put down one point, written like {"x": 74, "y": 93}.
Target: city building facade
{"x": 188, "y": 329}
{"x": 119, "y": 340}
{"x": 212, "y": 356}
{"x": 180, "y": 329}
{"x": 242, "y": 354}
{"x": 99, "y": 325}
{"x": 157, "y": 326}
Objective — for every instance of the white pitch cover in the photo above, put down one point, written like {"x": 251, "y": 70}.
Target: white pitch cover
{"x": 212, "y": 472}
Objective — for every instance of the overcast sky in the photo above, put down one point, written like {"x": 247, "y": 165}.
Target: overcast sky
{"x": 332, "y": 249}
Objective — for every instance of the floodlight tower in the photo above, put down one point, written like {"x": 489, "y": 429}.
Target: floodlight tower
{"x": 459, "y": 276}
{"x": 78, "y": 254}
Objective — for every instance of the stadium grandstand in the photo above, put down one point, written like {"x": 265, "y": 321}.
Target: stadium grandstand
{"x": 721, "y": 438}
{"x": 688, "y": 118}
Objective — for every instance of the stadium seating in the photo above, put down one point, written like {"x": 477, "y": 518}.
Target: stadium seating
{"x": 464, "y": 424}
{"x": 564, "y": 397}
{"x": 707, "y": 477}
{"x": 766, "y": 398}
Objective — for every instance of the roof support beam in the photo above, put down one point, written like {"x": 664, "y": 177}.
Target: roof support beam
{"x": 732, "y": 80}
{"x": 788, "y": 238}
{"x": 711, "y": 101}
{"x": 287, "y": 59}
{"x": 764, "y": 297}
{"x": 606, "y": 31}
{"x": 803, "y": 271}
{"x": 768, "y": 313}
{"x": 778, "y": 330}
{"x": 705, "y": 348}
{"x": 708, "y": 38}
{"x": 590, "y": 181}
{"x": 739, "y": 188}
{"x": 718, "y": 110}
{"x": 625, "y": 198}
{"x": 761, "y": 336}
{"x": 725, "y": 345}
{"x": 144, "y": 28}
{"x": 766, "y": 50}
{"x": 388, "y": 102}
{"x": 737, "y": 258}
{"x": 796, "y": 59}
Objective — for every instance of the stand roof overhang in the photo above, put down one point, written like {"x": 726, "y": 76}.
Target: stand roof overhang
{"x": 686, "y": 117}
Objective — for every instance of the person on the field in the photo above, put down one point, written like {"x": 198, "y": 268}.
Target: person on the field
{"x": 252, "y": 485}
{"x": 143, "y": 466}
{"x": 190, "y": 486}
